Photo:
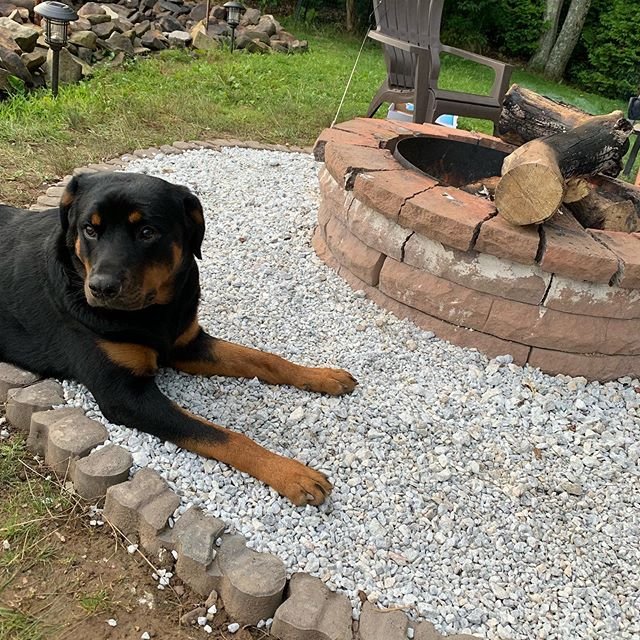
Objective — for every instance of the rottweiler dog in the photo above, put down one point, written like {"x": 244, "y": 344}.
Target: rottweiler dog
{"x": 105, "y": 290}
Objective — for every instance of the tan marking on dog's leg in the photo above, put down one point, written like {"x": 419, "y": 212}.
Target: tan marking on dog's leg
{"x": 189, "y": 334}
{"x": 229, "y": 359}
{"x": 290, "y": 478}
{"x": 138, "y": 359}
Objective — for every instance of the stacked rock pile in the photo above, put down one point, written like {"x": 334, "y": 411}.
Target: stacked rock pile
{"x": 111, "y": 32}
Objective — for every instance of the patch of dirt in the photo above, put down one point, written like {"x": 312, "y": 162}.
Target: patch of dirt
{"x": 65, "y": 578}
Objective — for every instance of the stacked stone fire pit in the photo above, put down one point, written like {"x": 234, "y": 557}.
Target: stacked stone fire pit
{"x": 558, "y": 296}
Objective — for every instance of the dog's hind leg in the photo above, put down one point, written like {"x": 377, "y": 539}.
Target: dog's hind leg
{"x": 198, "y": 353}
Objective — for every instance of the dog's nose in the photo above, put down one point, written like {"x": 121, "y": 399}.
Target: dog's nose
{"x": 104, "y": 286}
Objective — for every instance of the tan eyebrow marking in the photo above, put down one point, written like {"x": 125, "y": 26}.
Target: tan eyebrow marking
{"x": 96, "y": 219}
{"x": 134, "y": 217}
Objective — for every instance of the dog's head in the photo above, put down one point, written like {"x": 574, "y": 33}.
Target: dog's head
{"x": 129, "y": 235}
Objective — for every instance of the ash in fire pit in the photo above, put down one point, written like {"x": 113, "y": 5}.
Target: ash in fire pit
{"x": 451, "y": 162}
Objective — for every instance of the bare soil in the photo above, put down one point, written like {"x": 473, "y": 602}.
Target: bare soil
{"x": 62, "y": 578}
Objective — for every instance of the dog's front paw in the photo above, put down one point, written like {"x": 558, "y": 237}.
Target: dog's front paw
{"x": 335, "y": 382}
{"x": 299, "y": 483}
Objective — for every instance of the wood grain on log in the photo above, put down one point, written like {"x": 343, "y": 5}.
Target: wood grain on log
{"x": 533, "y": 182}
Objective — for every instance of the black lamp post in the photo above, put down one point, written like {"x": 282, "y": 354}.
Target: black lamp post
{"x": 234, "y": 12}
{"x": 56, "y": 17}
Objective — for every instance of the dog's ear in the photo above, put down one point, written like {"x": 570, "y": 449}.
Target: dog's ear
{"x": 66, "y": 200}
{"x": 194, "y": 218}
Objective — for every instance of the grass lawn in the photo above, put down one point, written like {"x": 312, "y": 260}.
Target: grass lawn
{"x": 180, "y": 96}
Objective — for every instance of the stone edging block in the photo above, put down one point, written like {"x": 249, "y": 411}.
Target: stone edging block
{"x": 23, "y": 402}
{"x": 101, "y": 469}
{"x": 38, "y": 438}
{"x": 312, "y": 610}
{"x": 14, "y": 378}
{"x": 70, "y": 439}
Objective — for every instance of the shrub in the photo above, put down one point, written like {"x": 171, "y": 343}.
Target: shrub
{"x": 607, "y": 60}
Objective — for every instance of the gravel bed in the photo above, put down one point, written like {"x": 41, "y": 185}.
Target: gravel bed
{"x": 485, "y": 497}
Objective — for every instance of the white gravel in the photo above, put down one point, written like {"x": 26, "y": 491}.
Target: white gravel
{"x": 484, "y": 497}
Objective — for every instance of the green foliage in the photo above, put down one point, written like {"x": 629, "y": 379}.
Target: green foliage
{"x": 608, "y": 58}
{"x": 511, "y": 27}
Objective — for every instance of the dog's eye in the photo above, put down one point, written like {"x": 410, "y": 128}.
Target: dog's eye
{"x": 90, "y": 231}
{"x": 147, "y": 233}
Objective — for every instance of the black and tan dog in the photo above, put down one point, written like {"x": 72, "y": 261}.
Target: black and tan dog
{"x": 105, "y": 290}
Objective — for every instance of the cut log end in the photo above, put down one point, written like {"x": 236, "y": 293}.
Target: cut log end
{"x": 529, "y": 194}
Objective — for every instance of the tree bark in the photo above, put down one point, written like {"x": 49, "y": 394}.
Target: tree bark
{"x": 548, "y": 37}
{"x": 567, "y": 39}
{"x": 351, "y": 15}
{"x": 533, "y": 186}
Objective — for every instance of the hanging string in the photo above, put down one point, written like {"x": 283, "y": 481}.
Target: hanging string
{"x": 355, "y": 64}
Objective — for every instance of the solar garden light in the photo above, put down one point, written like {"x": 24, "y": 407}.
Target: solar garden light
{"x": 56, "y": 17}
{"x": 234, "y": 11}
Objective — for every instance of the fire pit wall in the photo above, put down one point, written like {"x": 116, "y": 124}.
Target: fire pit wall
{"x": 558, "y": 297}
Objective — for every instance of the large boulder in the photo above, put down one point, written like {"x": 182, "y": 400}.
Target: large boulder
{"x": 268, "y": 24}
{"x": 179, "y": 39}
{"x": 90, "y": 9}
{"x": 250, "y": 17}
{"x": 70, "y": 69}
{"x": 25, "y": 36}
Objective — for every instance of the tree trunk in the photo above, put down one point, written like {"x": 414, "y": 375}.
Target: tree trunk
{"x": 533, "y": 186}
{"x": 548, "y": 37}
{"x": 351, "y": 15}
{"x": 567, "y": 39}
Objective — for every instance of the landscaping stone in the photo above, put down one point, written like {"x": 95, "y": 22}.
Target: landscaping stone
{"x": 41, "y": 421}
{"x": 34, "y": 60}
{"x": 196, "y": 550}
{"x": 387, "y": 191}
{"x": 22, "y": 403}
{"x": 101, "y": 469}
{"x": 447, "y": 215}
{"x": 312, "y": 611}
{"x": 504, "y": 240}
{"x": 12, "y": 377}
{"x": 426, "y": 631}
{"x": 250, "y": 584}
{"x": 12, "y": 63}
{"x": 201, "y": 40}
{"x": 87, "y": 39}
{"x": 119, "y": 42}
{"x": 179, "y": 39}
{"x": 155, "y": 40}
{"x": 479, "y": 271}
{"x": 626, "y": 246}
{"x": 153, "y": 519}
{"x": 570, "y": 251}
{"x": 125, "y": 501}
{"x": 356, "y": 256}
{"x": 70, "y": 69}
{"x": 376, "y": 624}
{"x": 345, "y": 162}
{"x": 25, "y": 36}
{"x": 72, "y": 438}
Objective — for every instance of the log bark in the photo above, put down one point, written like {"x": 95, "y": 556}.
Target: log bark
{"x": 526, "y": 115}
{"x": 533, "y": 183}
{"x": 605, "y": 211}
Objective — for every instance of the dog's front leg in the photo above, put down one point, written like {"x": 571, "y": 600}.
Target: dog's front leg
{"x": 198, "y": 353}
{"x": 127, "y": 394}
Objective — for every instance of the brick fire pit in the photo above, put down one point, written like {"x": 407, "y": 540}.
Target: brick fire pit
{"x": 557, "y": 296}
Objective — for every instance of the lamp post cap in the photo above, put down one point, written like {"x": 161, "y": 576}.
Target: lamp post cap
{"x": 234, "y": 5}
{"x": 54, "y": 10}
